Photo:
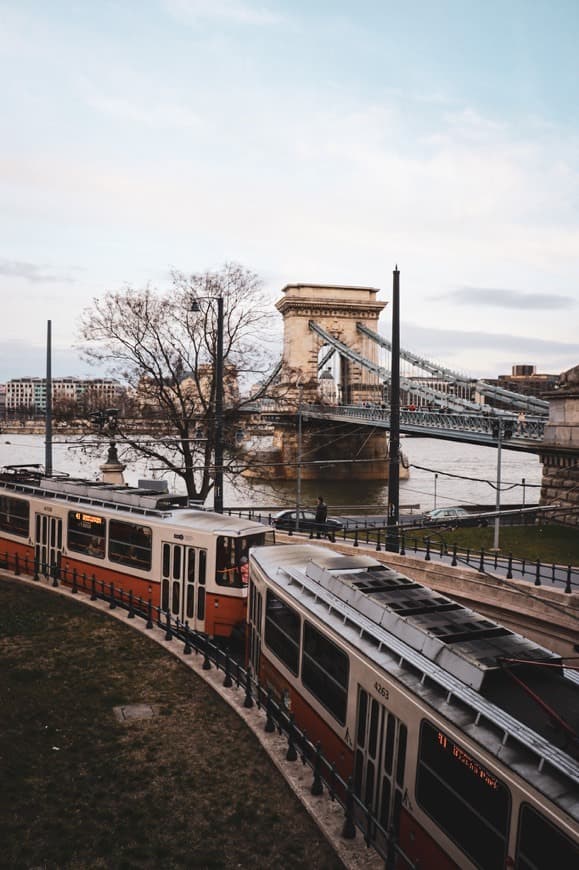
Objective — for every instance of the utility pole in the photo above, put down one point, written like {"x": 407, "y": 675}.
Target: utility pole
{"x": 218, "y": 479}
{"x": 48, "y": 408}
{"x": 392, "y": 543}
{"x": 299, "y": 458}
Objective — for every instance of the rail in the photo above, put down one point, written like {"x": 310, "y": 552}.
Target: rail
{"x": 325, "y": 779}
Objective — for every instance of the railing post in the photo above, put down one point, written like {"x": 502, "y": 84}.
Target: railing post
{"x": 454, "y": 561}
{"x": 317, "y": 786}
{"x": 378, "y": 548}
{"x": 269, "y": 723}
{"x": 510, "y": 567}
{"x": 74, "y": 589}
{"x": 481, "y": 564}
{"x": 427, "y": 553}
{"x": 402, "y": 543}
{"x": 391, "y": 849}
{"x": 149, "y": 614}
{"x": 538, "y": 573}
{"x": 227, "y": 681}
{"x": 93, "y": 594}
{"x": 187, "y": 648}
{"x": 356, "y": 538}
{"x": 36, "y": 575}
{"x": 113, "y": 603}
{"x": 26, "y": 567}
{"x": 568, "y": 584}
{"x": 131, "y": 613}
{"x": 291, "y": 754}
{"x": 206, "y": 666}
{"x": 248, "y": 700}
{"x": 54, "y": 572}
{"x": 349, "y": 828}
{"x": 168, "y": 632}
{"x": 16, "y": 565}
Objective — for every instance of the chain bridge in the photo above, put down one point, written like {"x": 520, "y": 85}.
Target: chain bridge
{"x": 333, "y": 384}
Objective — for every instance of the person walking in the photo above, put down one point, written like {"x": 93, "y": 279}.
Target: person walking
{"x": 321, "y": 515}
{"x": 521, "y": 423}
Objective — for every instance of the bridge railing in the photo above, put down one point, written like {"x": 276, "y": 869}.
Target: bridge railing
{"x": 532, "y": 429}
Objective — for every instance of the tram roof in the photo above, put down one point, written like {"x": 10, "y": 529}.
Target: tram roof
{"x": 164, "y": 506}
{"x": 337, "y": 590}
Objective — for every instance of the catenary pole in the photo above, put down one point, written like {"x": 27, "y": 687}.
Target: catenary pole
{"x": 394, "y": 452}
{"x": 48, "y": 408}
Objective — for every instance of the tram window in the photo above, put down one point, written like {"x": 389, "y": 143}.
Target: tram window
{"x": 176, "y": 563}
{"x": 201, "y": 603}
{"x": 362, "y": 708}
{"x": 130, "y": 544}
{"x": 86, "y": 534}
{"x": 190, "y": 601}
{"x": 202, "y": 567}
{"x": 465, "y": 800}
{"x": 165, "y": 595}
{"x": 401, "y": 758}
{"x": 389, "y": 753}
{"x": 14, "y": 516}
{"x": 325, "y": 672}
{"x": 282, "y": 631}
{"x": 191, "y": 565}
{"x": 176, "y": 596}
{"x": 373, "y": 728}
{"x": 166, "y": 560}
{"x": 540, "y": 844}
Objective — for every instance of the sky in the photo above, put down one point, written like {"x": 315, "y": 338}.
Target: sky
{"x": 319, "y": 141}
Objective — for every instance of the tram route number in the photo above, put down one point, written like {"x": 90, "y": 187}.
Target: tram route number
{"x": 382, "y": 690}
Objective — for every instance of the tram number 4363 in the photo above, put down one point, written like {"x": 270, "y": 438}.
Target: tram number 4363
{"x": 382, "y": 690}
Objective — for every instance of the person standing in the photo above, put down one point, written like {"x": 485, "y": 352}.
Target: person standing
{"x": 321, "y": 515}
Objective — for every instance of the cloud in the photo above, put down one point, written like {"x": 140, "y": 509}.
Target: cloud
{"x": 503, "y": 298}
{"x": 159, "y": 109}
{"x": 32, "y": 272}
{"x": 236, "y": 11}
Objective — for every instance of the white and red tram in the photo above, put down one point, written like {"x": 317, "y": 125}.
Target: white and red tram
{"x": 447, "y": 721}
{"x": 187, "y": 561}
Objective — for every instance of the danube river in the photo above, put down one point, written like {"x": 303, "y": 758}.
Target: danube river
{"x": 441, "y": 472}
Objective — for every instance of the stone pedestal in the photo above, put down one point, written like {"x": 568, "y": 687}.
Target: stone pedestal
{"x": 112, "y": 470}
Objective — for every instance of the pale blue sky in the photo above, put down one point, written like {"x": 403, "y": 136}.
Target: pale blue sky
{"x": 311, "y": 141}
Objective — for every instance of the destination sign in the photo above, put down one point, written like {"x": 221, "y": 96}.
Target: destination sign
{"x": 88, "y": 518}
{"x": 462, "y": 757}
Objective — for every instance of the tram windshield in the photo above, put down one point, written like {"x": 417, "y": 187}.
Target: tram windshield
{"x": 232, "y": 561}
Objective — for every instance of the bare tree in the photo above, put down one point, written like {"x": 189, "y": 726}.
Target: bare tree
{"x": 165, "y": 353}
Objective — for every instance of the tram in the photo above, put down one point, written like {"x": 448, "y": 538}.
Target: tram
{"x": 187, "y": 561}
{"x": 461, "y": 736}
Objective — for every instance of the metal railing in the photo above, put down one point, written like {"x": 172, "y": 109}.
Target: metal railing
{"x": 277, "y": 717}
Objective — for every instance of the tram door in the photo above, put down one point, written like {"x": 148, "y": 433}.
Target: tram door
{"x": 48, "y": 544}
{"x": 379, "y": 761}
{"x": 183, "y": 579}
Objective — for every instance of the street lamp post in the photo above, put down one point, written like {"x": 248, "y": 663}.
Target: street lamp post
{"x": 299, "y": 459}
{"x": 435, "y": 482}
{"x": 394, "y": 458}
{"x": 218, "y": 422}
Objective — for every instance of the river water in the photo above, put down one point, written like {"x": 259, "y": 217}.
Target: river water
{"x": 442, "y": 473}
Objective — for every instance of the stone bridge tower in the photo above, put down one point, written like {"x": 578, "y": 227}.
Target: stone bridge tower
{"x": 337, "y": 309}
{"x": 321, "y": 454}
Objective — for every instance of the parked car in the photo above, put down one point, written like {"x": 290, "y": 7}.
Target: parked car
{"x": 453, "y": 516}
{"x": 286, "y": 520}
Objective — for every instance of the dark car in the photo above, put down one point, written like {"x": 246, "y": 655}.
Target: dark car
{"x": 453, "y": 516}
{"x": 286, "y": 520}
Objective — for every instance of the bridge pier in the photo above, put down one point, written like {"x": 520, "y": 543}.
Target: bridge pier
{"x": 324, "y": 454}
{"x": 560, "y": 450}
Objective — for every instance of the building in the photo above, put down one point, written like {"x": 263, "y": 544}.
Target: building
{"x": 524, "y": 379}
{"x": 29, "y": 394}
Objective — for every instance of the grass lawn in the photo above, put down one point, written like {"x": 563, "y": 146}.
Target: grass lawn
{"x": 557, "y": 544}
{"x": 189, "y": 788}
